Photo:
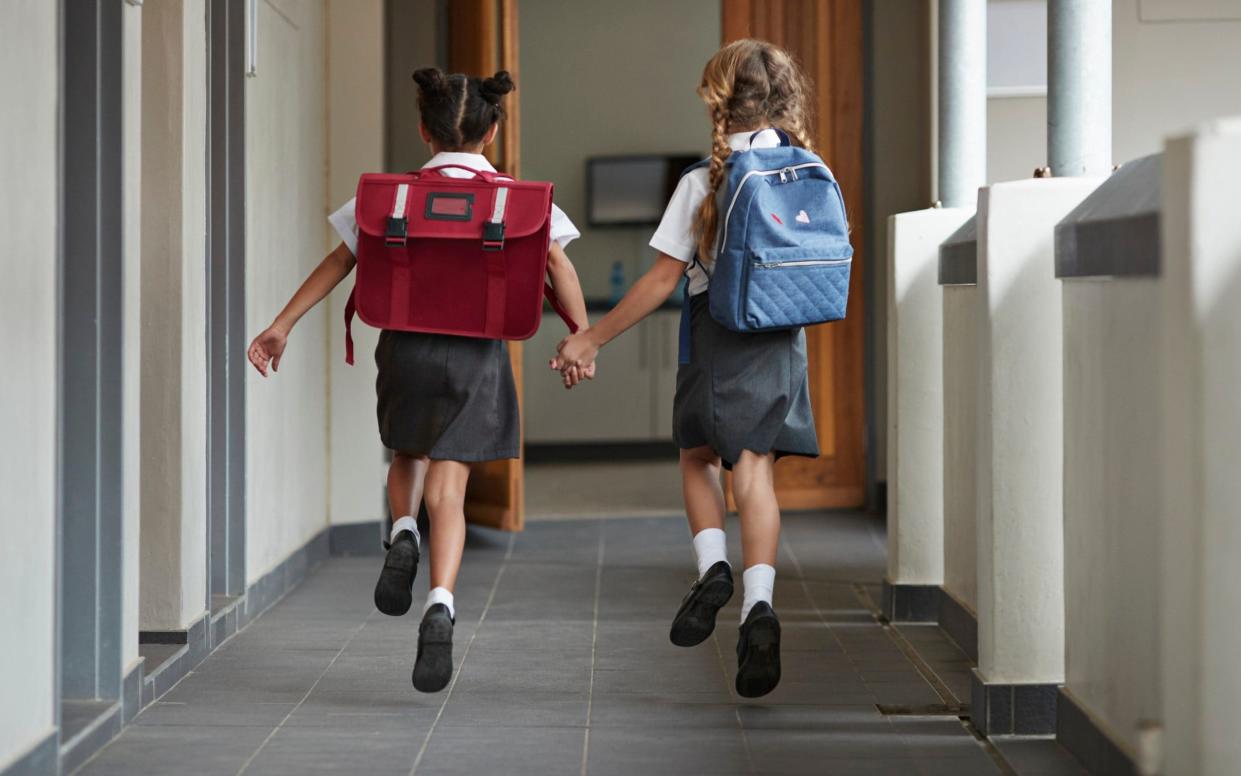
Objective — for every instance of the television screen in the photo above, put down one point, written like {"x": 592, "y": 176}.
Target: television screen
{"x": 631, "y": 190}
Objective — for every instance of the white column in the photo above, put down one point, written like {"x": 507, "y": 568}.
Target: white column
{"x": 962, "y": 101}
{"x": 915, "y": 395}
{"x": 1201, "y": 435}
{"x": 1079, "y": 87}
{"x": 173, "y": 573}
{"x": 1020, "y": 431}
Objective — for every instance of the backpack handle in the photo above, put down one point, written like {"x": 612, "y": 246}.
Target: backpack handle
{"x": 784, "y": 136}
{"x": 489, "y": 177}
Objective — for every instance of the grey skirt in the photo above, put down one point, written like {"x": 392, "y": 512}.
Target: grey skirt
{"x": 445, "y": 397}
{"x": 743, "y": 391}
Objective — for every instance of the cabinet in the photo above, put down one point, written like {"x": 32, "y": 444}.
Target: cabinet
{"x": 629, "y": 401}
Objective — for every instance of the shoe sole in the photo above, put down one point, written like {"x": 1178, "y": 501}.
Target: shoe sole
{"x": 760, "y": 673}
{"x": 394, "y": 590}
{"x": 696, "y": 622}
{"x": 433, "y": 669}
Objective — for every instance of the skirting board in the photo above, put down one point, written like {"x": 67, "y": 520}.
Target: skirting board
{"x": 1088, "y": 741}
{"x": 356, "y": 539}
{"x": 959, "y": 623}
{"x": 910, "y": 603}
{"x": 94, "y": 737}
{"x": 1012, "y": 709}
{"x": 39, "y": 760}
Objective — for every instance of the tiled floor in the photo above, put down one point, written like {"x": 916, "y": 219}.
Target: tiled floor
{"x": 565, "y": 668}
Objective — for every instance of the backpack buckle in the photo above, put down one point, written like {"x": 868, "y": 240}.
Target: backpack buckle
{"x": 395, "y": 234}
{"x": 493, "y": 236}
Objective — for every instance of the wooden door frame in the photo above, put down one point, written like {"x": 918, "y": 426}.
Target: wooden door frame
{"x": 838, "y": 478}
{"x": 482, "y": 39}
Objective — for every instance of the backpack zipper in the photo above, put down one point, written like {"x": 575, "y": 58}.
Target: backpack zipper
{"x": 740, "y": 186}
{"x": 800, "y": 263}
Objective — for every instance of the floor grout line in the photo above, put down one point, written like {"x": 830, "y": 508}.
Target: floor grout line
{"x": 594, "y": 647}
{"x": 332, "y": 662}
{"x": 745, "y": 739}
{"x": 495, "y": 585}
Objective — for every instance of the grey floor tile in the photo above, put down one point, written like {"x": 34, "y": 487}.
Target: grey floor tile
{"x": 151, "y": 749}
{"x": 295, "y": 751}
{"x": 1038, "y": 757}
{"x": 655, "y": 752}
{"x": 519, "y": 751}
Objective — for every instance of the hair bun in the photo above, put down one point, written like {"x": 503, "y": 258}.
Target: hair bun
{"x": 497, "y": 86}
{"x": 432, "y": 82}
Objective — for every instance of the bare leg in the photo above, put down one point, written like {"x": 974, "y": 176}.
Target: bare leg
{"x": 755, "y": 491}
{"x": 406, "y": 477}
{"x": 445, "y": 497}
{"x": 700, "y": 484}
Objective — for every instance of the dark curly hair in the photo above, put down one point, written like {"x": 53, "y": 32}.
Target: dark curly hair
{"x": 459, "y": 110}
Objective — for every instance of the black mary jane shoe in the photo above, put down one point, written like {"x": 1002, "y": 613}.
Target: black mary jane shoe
{"x": 695, "y": 620}
{"x": 433, "y": 666}
{"x": 394, "y": 590}
{"x": 758, "y": 652}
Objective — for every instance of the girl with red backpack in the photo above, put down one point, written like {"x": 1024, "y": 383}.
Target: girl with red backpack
{"x": 444, "y": 401}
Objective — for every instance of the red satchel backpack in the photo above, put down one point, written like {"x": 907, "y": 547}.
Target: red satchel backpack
{"x": 464, "y": 256}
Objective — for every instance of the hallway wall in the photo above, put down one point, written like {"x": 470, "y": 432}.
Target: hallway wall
{"x": 28, "y": 312}
{"x": 356, "y": 127}
{"x": 286, "y": 153}
{"x": 602, "y": 78}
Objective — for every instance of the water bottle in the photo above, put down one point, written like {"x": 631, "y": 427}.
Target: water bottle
{"x": 617, "y": 283}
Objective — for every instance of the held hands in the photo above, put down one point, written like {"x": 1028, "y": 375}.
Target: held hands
{"x": 267, "y": 347}
{"x": 575, "y": 358}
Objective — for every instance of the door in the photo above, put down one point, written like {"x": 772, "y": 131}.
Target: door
{"x": 482, "y": 38}
{"x": 825, "y": 36}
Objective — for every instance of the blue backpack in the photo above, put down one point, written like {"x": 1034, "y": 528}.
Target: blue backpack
{"x": 783, "y": 255}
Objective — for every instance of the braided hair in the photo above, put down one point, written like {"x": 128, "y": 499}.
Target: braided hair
{"x": 748, "y": 83}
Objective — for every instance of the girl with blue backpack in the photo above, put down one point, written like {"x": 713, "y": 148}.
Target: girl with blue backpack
{"x": 759, "y": 233}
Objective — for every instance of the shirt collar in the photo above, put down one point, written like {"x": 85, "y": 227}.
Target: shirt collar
{"x": 473, "y": 161}
{"x": 763, "y": 138}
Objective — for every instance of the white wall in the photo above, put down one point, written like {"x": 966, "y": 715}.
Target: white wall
{"x": 1201, "y": 435}
{"x": 286, "y": 175}
{"x": 960, "y": 442}
{"x": 1016, "y": 137}
{"x": 29, "y": 73}
{"x": 597, "y": 78}
{"x": 1111, "y": 500}
{"x": 131, "y": 236}
{"x": 173, "y": 574}
{"x": 356, "y": 128}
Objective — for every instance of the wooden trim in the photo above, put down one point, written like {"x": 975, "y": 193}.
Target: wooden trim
{"x": 483, "y": 39}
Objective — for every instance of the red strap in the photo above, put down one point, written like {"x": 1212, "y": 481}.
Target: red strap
{"x": 350, "y": 309}
{"x": 554, "y": 301}
{"x": 489, "y": 177}
{"x": 497, "y": 296}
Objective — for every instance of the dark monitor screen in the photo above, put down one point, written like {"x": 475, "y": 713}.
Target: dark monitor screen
{"x": 631, "y": 190}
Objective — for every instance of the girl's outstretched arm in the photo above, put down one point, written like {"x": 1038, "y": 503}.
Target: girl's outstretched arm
{"x": 651, "y": 290}
{"x": 569, "y": 289}
{"x": 268, "y": 346}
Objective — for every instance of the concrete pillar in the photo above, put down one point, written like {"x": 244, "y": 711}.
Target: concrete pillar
{"x": 1107, "y": 257}
{"x": 1200, "y": 534}
{"x": 1079, "y": 87}
{"x": 1020, "y": 455}
{"x": 962, "y": 101}
{"x": 915, "y": 412}
{"x": 173, "y": 573}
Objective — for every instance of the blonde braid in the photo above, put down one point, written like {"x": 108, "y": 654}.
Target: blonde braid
{"x": 706, "y": 222}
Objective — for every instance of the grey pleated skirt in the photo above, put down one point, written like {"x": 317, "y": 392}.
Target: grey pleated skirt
{"x": 445, "y": 397}
{"x": 743, "y": 391}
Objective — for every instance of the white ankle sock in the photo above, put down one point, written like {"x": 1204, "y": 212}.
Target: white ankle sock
{"x": 407, "y": 523}
{"x": 440, "y": 595}
{"x": 757, "y": 581}
{"x": 710, "y": 548}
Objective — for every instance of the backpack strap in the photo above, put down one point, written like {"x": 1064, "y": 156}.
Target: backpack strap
{"x": 554, "y": 301}
{"x": 350, "y": 309}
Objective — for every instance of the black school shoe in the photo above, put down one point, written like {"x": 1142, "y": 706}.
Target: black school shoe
{"x": 758, "y": 652}
{"x": 695, "y": 619}
{"x": 433, "y": 666}
{"x": 394, "y": 590}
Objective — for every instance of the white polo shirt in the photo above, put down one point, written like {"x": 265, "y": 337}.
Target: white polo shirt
{"x": 675, "y": 235}
{"x": 346, "y": 224}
